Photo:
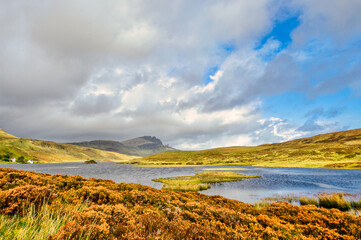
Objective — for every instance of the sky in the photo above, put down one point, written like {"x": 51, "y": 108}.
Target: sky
{"x": 196, "y": 74}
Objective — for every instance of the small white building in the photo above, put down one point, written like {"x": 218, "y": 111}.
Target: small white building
{"x": 13, "y": 159}
{"x": 31, "y": 161}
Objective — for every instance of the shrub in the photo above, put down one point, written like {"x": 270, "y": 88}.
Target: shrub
{"x": 132, "y": 211}
{"x": 90, "y": 162}
{"x": 21, "y": 160}
{"x": 18, "y": 199}
{"x": 6, "y": 157}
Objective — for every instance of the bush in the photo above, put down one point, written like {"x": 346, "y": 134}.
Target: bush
{"x": 6, "y": 157}
{"x": 90, "y": 162}
{"x": 18, "y": 199}
{"x": 21, "y": 160}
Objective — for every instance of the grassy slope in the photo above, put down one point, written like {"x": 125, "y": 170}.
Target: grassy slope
{"x": 5, "y": 135}
{"x": 46, "y": 151}
{"x": 71, "y": 207}
{"x": 332, "y": 150}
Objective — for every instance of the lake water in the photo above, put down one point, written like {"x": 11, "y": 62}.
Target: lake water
{"x": 273, "y": 181}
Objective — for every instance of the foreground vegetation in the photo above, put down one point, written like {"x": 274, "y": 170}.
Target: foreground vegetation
{"x": 200, "y": 181}
{"x": 333, "y": 150}
{"x": 71, "y": 207}
{"x": 338, "y": 200}
{"x": 334, "y": 200}
{"x": 46, "y": 151}
{"x": 37, "y": 224}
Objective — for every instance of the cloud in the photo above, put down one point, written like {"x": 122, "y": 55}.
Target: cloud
{"x": 320, "y": 112}
{"x": 314, "y": 122}
{"x": 79, "y": 70}
{"x": 310, "y": 126}
{"x": 328, "y": 18}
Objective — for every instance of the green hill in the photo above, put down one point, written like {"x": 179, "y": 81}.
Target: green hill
{"x": 332, "y": 150}
{"x": 5, "y": 135}
{"x": 47, "y": 151}
{"x": 141, "y": 146}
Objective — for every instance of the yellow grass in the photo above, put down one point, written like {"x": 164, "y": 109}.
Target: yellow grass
{"x": 200, "y": 181}
{"x": 224, "y": 169}
{"x": 37, "y": 225}
{"x": 333, "y": 150}
{"x": 46, "y": 151}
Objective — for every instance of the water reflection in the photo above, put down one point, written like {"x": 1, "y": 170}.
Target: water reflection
{"x": 273, "y": 181}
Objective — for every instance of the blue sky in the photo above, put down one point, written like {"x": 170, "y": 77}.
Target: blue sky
{"x": 202, "y": 74}
{"x": 281, "y": 31}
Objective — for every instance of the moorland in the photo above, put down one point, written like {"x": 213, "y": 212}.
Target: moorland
{"x": 41, "y": 206}
{"x": 48, "y": 151}
{"x": 332, "y": 150}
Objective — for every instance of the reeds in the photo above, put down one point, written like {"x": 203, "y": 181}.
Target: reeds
{"x": 308, "y": 201}
{"x": 326, "y": 200}
{"x": 37, "y": 224}
{"x": 335, "y": 200}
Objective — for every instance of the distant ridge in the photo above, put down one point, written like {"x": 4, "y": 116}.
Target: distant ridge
{"x": 47, "y": 151}
{"x": 140, "y": 146}
{"x": 332, "y": 150}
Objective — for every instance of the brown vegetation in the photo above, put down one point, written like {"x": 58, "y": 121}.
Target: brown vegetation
{"x": 132, "y": 211}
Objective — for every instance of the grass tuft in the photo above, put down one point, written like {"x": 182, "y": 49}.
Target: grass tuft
{"x": 37, "y": 225}
{"x": 200, "y": 181}
{"x": 336, "y": 200}
{"x": 308, "y": 201}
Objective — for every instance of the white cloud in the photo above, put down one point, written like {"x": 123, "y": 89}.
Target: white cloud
{"x": 118, "y": 69}
{"x": 328, "y": 18}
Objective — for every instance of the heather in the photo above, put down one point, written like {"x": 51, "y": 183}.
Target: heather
{"x": 80, "y": 208}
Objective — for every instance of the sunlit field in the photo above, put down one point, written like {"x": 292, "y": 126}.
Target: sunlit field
{"x": 333, "y": 150}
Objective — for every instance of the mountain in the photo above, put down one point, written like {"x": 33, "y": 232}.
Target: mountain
{"x": 141, "y": 146}
{"x": 47, "y": 151}
{"x": 332, "y": 150}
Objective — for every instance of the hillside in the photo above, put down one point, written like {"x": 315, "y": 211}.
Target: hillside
{"x": 41, "y": 206}
{"x": 47, "y": 151}
{"x": 5, "y": 135}
{"x": 332, "y": 150}
{"x": 141, "y": 146}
